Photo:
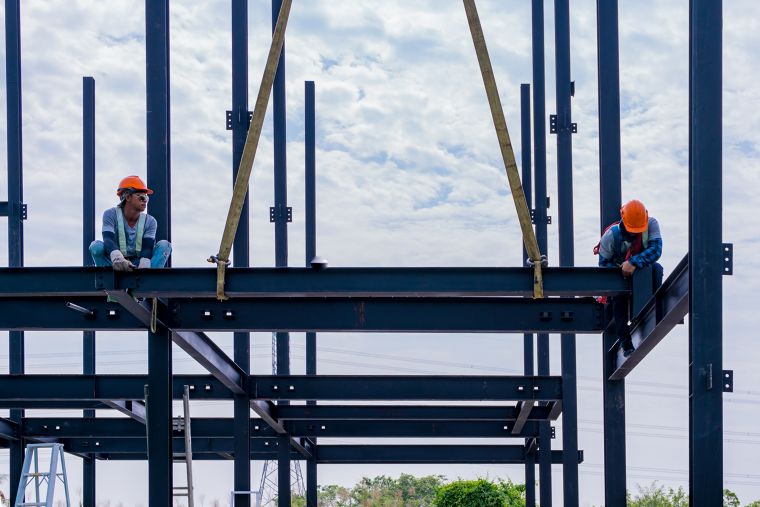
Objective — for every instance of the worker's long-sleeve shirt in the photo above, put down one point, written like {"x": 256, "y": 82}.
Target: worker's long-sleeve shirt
{"x": 613, "y": 255}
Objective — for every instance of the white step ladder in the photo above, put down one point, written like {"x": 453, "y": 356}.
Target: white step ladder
{"x": 183, "y": 424}
{"x": 49, "y": 478}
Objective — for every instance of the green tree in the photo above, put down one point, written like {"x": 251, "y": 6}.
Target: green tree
{"x": 657, "y": 496}
{"x": 481, "y": 492}
{"x": 756, "y": 503}
{"x": 730, "y": 499}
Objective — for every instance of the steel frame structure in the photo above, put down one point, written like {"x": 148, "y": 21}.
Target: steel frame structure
{"x": 283, "y": 300}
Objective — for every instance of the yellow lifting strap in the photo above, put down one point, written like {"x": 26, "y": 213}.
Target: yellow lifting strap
{"x": 222, "y": 259}
{"x": 523, "y": 213}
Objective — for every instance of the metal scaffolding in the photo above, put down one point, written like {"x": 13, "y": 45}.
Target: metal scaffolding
{"x": 311, "y": 299}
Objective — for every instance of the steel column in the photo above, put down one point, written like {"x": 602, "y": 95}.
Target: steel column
{"x": 610, "y": 199}
{"x": 157, "y": 114}
{"x": 527, "y": 183}
{"x": 542, "y": 220}
{"x": 566, "y": 250}
{"x": 281, "y": 242}
{"x": 159, "y": 402}
{"x": 706, "y": 254}
{"x": 88, "y": 236}
{"x": 241, "y": 256}
{"x": 310, "y": 210}
{"x": 15, "y": 199}
{"x": 159, "y": 415}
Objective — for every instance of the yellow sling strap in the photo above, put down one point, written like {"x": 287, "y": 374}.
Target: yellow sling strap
{"x": 523, "y": 213}
{"x": 249, "y": 150}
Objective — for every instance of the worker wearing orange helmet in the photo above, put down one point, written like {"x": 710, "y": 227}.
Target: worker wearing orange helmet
{"x": 129, "y": 234}
{"x": 635, "y": 242}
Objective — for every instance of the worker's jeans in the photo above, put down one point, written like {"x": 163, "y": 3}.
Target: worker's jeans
{"x": 620, "y": 309}
{"x": 161, "y": 252}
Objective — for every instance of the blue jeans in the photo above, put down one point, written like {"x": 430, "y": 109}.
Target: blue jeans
{"x": 161, "y": 252}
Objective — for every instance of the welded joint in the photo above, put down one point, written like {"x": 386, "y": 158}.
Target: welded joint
{"x": 728, "y": 259}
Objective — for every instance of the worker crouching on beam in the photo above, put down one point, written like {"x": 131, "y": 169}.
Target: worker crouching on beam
{"x": 634, "y": 242}
{"x": 129, "y": 234}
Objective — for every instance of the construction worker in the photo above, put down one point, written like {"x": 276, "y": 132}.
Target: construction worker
{"x": 632, "y": 243}
{"x": 129, "y": 234}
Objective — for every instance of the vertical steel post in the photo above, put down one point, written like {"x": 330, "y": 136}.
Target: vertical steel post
{"x": 566, "y": 250}
{"x": 15, "y": 200}
{"x": 310, "y": 211}
{"x": 281, "y": 241}
{"x": 527, "y": 183}
{"x": 705, "y": 253}
{"x": 159, "y": 402}
{"x": 88, "y": 236}
{"x": 241, "y": 257}
{"x": 157, "y": 117}
{"x": 159, "y": 418}
{"x": 610, "y": 196}
{"x": 541, "y": 219}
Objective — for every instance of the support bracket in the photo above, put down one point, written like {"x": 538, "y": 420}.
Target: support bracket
{"x": 238, "y": 119}
{"x": 274, "y": 215}
{"x": 728, "y": 259}
{"x": 548, "y": 219}
{"x": 728, "y": 381}
{"x": 556, "y": 128}
{"x": 5, "y": 209}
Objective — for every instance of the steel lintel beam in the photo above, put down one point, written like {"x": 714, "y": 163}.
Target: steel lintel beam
{"x": 433, "y": 315}
{"x": 56, "y": 388}
{"x": 406, "y": 387}
{"x": 59, "y": 388}
{"x": 124, "y": 428}
{"x": 305, "y": 282}
{"x": 438, "y": 454}
{"x": 406, "y": 413}
{"x": 664, "y": 311}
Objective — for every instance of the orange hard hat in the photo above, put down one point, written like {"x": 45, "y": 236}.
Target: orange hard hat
{"x": 635, "y": 216}
{"x": 133, "y": 183}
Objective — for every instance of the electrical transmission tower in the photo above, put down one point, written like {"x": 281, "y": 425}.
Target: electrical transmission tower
{"x": 268, "y": 484}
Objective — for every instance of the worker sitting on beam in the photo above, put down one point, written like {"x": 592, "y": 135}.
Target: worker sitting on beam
{"x": 632, "y": 243}
{"x": 129, "y": 234}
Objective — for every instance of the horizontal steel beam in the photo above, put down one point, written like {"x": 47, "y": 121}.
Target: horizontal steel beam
{"x": 125, "y": 428}
{"x": 433, "y": 315}
{"x": 412, "y": 314}
{"x": 301, "y": 282}
{"x": 406, "y": 387}
{"x": 24, "y": 388}
{"x": 410, "y": 429}
{"x": 122, "y": 427}
{"x": 664, "y": 311}
{"x": 53, "y": 314}
{"x": 201, "y": 445}
{"x": 407, "y": 413}
{"x": 437, "y": 454}
{"x": 362, "y": 454}
{"x": 28, "y": 388}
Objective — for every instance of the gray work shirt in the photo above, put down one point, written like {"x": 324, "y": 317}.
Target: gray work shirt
{"x": 111, "y": 225}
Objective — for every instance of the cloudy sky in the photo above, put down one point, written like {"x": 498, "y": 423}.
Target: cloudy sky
{"x": 409, "y": 174}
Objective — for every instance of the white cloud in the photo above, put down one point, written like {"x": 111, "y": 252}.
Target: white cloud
{"x": 409, "y": 171}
